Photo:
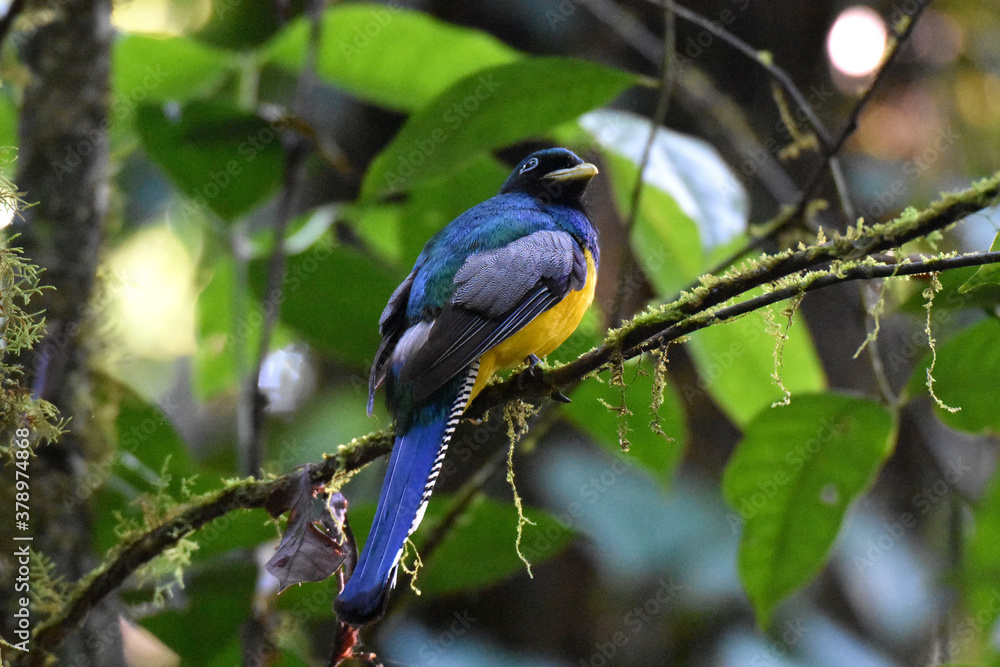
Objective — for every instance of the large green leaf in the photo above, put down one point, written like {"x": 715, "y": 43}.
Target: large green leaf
{"x": 433, "y": 205}
{"x": 664, "y": 239}
{"x": 395, "y": 57}
{"x": 147, "y": 440}
{"x": 333, "y": 296}
{"x": 218, "y": 156}
{"x": 691, "y": 201}
{"x": 736, "y": 363}
{"x": 153, "y": 68}
{"x": 491, "y": 108}
{"x": 148, "y": 445}
{"x": 982, "y": 564}
{"x": 688, "y": 169}
{"x": 792, "y": 479}
{"x": 399, "y": 230}
{"x": 206, "y": 621}
{"x": 590, "y": 411}
{"x": 333, "y": 417}
{"x": 965, "y": 377}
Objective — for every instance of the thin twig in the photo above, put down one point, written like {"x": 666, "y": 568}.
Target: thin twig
{"x": 712, "y": 109}
{"x": 775, "y": 72}
{"x": 253, "y": 411}
{"x": 832, "y": 148}
{"x": 659, "y": 116}
{"x": 787, "y": 85}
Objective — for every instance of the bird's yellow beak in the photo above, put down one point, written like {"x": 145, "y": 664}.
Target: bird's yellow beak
{"x": 580, "y": 172}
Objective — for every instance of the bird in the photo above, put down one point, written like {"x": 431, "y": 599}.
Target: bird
{"x": 504, "y": 283}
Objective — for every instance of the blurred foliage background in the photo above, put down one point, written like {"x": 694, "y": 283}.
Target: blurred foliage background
{"x": 854, "y": 526}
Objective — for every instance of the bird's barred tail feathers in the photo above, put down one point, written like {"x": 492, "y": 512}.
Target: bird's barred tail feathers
{"x": 416, "y": 460}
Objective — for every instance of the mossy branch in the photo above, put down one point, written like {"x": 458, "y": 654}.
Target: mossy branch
{"x": 851, "y": 256}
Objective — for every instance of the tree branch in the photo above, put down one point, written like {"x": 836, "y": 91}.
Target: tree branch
{"x": 845, "y": 258}
{"x": 832, "y": 147}
{"x": 788, "y": 86}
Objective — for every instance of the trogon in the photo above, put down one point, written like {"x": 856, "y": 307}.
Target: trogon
{"x": 503, "y": 283}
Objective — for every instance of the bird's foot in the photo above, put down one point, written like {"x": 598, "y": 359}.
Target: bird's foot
{"x": 561, "y": 397}
{"x": 532, "y": 372}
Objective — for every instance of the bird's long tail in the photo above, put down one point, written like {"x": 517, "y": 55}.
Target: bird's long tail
{"x": 415, "y": 462}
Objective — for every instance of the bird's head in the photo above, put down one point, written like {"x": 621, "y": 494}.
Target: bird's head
{"x": 553, "y": 175}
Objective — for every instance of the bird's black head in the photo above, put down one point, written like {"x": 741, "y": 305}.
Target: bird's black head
{"x": 553, "y": 175}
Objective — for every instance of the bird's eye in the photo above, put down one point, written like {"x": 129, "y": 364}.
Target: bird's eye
{"x": 529, "y": 165}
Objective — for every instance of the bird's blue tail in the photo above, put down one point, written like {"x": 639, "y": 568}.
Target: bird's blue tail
{"x": 416, "y": 459}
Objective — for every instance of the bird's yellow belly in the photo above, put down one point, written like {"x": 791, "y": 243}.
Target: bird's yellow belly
{"x": 542, "y": 335}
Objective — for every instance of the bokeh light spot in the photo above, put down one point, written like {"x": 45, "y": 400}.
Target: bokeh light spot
{"x": 856, "y": 41}
{"x": 150, "y": 285}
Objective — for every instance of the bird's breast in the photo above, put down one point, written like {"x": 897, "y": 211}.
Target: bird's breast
{"x": 541, "y": 335}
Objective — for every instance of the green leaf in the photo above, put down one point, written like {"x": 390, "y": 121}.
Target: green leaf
{"x": 243, "y": 26}
{"x": 664, "y": 239}
{"x": 333, "y": 297}
{"x": 965, "y": 377}
{"x": 220, "y": 157}
{"x": 146, "y": 440}
{"x": 494, "y": 107}
{"x": 207, "y": 621}
{"x": 334, "y": 417}
{"x": 791, "y": 481}
{"x": 650, "y": 450}
{"x": 735, "y": 363}
{"x": 149, "y": 68}
{"x": 688, "y": 169}
{"x": 394, "y": 57}
{"x": 981, "y": 570}
{"x": 988, "y": 274}
{"x": 480, "y": 549}
{"x": 240, "y": 529}
{"x": 399, "y": 230}
{"x": 433, "y": 205}
{"x": 8, "y": 126}
{"x": 949, "y": 299}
